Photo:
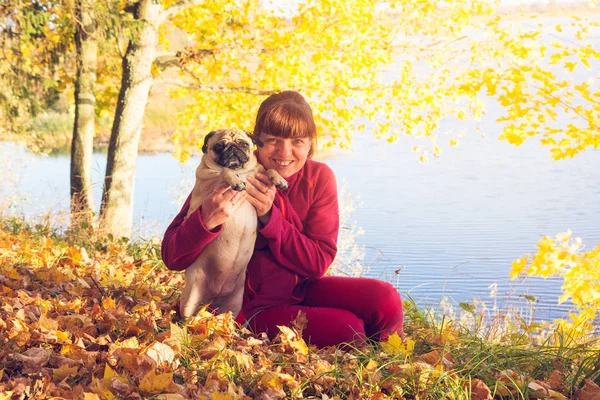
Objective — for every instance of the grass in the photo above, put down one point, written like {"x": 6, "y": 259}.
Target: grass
{"x": 119, "y": 291}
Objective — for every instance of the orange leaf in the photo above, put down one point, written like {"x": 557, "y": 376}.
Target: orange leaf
{"x": 153, "y": 383}
{"x": 590, "y": 391}
{"x": 480, "y": 391}
{"x": 64, "y": 371}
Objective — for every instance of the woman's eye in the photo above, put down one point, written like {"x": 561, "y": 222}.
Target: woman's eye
{"x": 299, "y": 141}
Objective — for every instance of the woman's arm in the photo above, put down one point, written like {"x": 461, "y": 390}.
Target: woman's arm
{"x": 185, "y": 239}
{"x": 308, "y": 253}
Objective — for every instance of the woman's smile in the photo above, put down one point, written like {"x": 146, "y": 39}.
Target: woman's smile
{"x": 285, "y": 155}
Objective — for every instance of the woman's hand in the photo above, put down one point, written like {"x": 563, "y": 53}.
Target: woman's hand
{"x": 218, "y": 206}
{"x": 261, "y": 193}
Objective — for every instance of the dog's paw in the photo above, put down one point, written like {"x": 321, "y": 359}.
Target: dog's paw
{"x": 238, "y": 186}
{"x": 277, "y": 179}
{"x": 283, "y": 185}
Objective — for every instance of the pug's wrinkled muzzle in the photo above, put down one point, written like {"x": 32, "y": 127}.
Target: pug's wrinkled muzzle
{"x": 233, "y": 157}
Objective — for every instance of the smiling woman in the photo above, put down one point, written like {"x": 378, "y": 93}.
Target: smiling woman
{"x": 285, "y": 124}
{"x": 296, "y": 242}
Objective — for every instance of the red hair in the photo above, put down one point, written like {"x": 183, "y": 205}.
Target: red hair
{"x": 287, "y": 115}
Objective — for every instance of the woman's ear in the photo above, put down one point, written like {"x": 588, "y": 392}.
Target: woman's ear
{"x": 255, "y": 139}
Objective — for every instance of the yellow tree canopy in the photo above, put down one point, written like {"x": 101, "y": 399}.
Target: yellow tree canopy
{"x": 397, "y": 67}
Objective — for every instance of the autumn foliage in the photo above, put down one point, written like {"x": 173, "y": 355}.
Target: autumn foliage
{"x": 97, "y": 322}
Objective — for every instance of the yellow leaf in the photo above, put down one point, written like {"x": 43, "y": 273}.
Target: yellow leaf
{"x": 570, "y": 65}
{"x": 152, "y": 383}
{"x": 275, "y": 380}
{"x": 130, "y": 343}
{"x": 108, "y": 302}
{"x": 289, "y": 336}
{"x": 64, "y": 370}
{"x": 371, "y": 365}
{"x": 63, "y": 337}
{"x": 111, "y": 373}
{"x": 102, "y": 388}
{"x": 221, "y": 396}
{"x": 179, "y": 337}
{"x": 395, "y": 345}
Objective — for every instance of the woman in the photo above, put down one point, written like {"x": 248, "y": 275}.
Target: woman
{"x": 297, "y": 240}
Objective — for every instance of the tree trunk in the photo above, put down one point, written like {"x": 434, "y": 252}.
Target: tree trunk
{"x": 116, "y": 213}
{"x": 82, "y": 199}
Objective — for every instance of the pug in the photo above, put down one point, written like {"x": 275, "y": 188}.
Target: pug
{"x": 217, "y": 276}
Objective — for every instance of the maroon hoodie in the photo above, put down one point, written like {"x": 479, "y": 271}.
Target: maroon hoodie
{"x": 297, "y": 245}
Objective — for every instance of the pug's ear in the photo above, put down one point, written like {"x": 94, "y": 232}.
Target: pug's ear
{"x": 255, "y": 140}
{"x": 206, "y": 139}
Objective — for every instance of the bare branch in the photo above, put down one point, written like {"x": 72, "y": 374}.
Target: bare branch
{"x": 217, "y": 89}
{"x": 180, "y": 6}
{"x": 164, "y": 62}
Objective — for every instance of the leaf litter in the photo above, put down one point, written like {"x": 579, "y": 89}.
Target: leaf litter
{"x": 102, "y": 325}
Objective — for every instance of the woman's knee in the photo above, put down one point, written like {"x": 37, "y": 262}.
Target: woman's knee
{"x": 386, "y": 298}
{"x": 387, "y": 313}
{"x": 345, "y": 327}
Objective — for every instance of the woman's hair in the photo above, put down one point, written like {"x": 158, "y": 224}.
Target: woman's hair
{"x": 287, "y": 115}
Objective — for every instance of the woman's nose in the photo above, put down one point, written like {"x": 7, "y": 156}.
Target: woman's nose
{"x": 285, "y": 148}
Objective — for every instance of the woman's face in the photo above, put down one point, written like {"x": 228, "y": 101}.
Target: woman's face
{"x": 285, "y": 155}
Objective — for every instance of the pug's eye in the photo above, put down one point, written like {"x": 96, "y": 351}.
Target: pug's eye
{"x": 217, "y": 148}
{"x": 243, "y": 145}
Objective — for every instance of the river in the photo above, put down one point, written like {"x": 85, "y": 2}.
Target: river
{"x": 449, "y": 228}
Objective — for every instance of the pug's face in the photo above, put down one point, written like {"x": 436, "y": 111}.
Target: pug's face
{"x": 229, "y": 148}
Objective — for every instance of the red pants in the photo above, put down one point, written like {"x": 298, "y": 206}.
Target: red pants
{"x": 339, "y": 310}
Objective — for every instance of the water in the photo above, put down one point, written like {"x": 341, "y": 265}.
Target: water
{"x": 453, "y": 226}
{"x": 449, "y": 228}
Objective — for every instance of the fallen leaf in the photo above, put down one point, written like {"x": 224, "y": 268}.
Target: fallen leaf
{"x": 64, "y": 371}
{"x": 553, "y": 395}
{"x": 153, "y": 383}
{"x": 275, "y": 380}
{"x": 300, "y": 322}
{"x": 479, "y": 390}
{"x": 556, "y": 380}
{"x": 537, "y": 390}
{"x": 590, "y": 391}
{"x": 290, "y": 337}
{"x": 161, "y": 353}
{"x": 395, "y": 345}
{"x": 222, "y": 396}
{"x": 34, "y": 357}
{"x": 178, "y": 338}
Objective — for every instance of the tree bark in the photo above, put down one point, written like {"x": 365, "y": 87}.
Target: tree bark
{"x": 82, "y": 199}
{"x": 116, "y": 213}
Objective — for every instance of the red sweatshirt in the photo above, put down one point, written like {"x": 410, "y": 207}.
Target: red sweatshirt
{"x": 297, "y": 245}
